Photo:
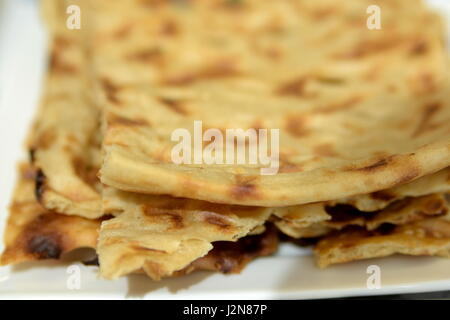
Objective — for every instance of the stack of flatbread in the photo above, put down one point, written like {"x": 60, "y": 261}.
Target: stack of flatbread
{"x": 363, "y": 115}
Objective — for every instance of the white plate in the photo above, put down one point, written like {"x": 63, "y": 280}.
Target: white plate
{"x": 290, "y": 274}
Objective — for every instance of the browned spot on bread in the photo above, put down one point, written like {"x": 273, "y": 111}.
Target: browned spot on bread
{"x": 244, "y": 188}
{"x": 425, "y": 122}
{"x": 86, "y": 172}
{"x": 232, "y": 4}
{"x": 340, "y": 106}
{"x": 58, "y": 64}
{"x": 408, "y": 176}
{"x": 435, "y": 206}
{"x": 323, "y": 13}
{"x": 382, "y": 195}
{"x": 374, "y": 166}
{"x": 287, "y": 166}
{"x": 45, "y": 246}
{"x": 62, "y": 42}
{"x": 297, "y": 126}
{"x": 27, "y": 173}
{"x": 217, "y": 219}
{"x": 294, "y": 87}
{"x": 370, "y": 47}
{"x": 169, "y": 28}
{"x": 152, "y": 3}
{"x": 325, "y": 150}
{"x": 123, "y": 31}
{"x": 423, "y": 83}
{"x": 141, "y": 248}
{"x": 419, "y": 47}
{"x": 44, "y": 139}
{"x": 151, "y": 55}
{"x": 111, "y": 90}
{"x": 175, "y": 219}
{"x": 174, "y": 105}
{"x": 39, "y": 187}
{"x": 221, "y": 69}
{"x": 116, "y": 120}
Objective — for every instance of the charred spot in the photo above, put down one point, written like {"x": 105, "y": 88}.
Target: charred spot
{"x": 382, "y": 195}
{"x": 123, "y": 31}
{"x": 294, "y": 87}
{"x": 123, "y": 121}
{"x": 31, "y": 155}
{"x": 217, "y": 220}
{"x": 221, "y": 69}
{"x": 286, "y": 166}
{"x": 174, "y": 105}
{"x": 111, "y": 90}
{"x": 44, "y": 139}
{"x": 369, "y": 47}
{"x": 233, "y": 4}
{"x": 339, "y": 106}
{"x": 425, "y": 123}
{"x": 435, "y": 206}
{"x": 376, "y": 165}
{"x": 419, "y": 47}
{"x": 424, "y": 83}
{"x": 86, "y": 172}
{"x": 173, "y": 218}
{"x": 408, "y": 176}
{"x": 45, "y": 246}
{"x": 28, "y": 173}
{"x": 58, "y": 65}
{"x": 92, "y": 262}
{"x": 325, "y": 150}
{"x": 147, "y": 55}
{"x": 297, "y": 126}
{"x": 385, "y": 229}
{"x": 231, "y": 257}
{"x": 170, "y": 28}
{"x": 39, "y": 187}
{"x": 244, "y": 191}
{"x": 62, "y": 42}
{"x": 141, "y": 248}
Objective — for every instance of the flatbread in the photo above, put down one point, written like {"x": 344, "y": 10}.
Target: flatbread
{"x": 64, "y": 142}
{"x": 358, "y": 110}
{"x": 434, "y": 183}
{"x": 339, "y": 217}
{"x": 34, "y": 233}
{"x": 428, "y": 237}
{"x": 163, "y": 235}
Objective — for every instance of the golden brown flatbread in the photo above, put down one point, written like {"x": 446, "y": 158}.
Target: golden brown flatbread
{"x": 34, "y": 233}
{"x": 427, "y": 237}
{"x": 358, "y": 110}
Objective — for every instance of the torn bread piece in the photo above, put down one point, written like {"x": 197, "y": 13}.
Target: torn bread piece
{"x": 163, "y": 235}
